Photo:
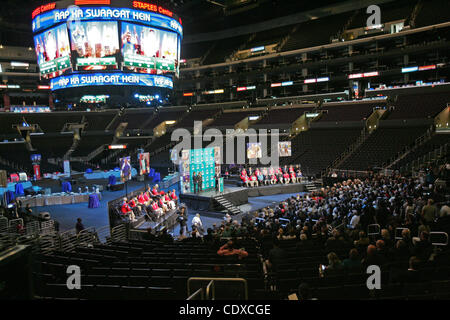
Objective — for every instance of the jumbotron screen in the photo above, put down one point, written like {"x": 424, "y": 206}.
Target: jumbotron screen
{"x": 53, "y": 50}
{"x": 76, "y": 37}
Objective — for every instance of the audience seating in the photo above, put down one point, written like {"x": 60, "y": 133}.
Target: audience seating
{"x": 317, "y": 148}
{"x": 380, "y": 146}
{"x": 141, "y": 268}
{"x": 348, "y": 111}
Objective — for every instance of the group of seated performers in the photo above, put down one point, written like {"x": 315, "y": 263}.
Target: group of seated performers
{"x": 152, "y": 202}
{"x": 267, "y": 176}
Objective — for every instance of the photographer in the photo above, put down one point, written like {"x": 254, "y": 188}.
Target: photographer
{"x": 182, "y": 219}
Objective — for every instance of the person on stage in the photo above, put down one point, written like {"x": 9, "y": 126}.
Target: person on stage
{"x": 253, "y": 180}
{"x": 162, "y": 204}
{"x": 293, "y": 177}
{"x": 170, "y": 203}
{"x": 155, "y": 191}
{"x": 244, "y": 177}
{"x": 260, "y": 177}
{"x": 299, "y": 174}
{"x": 174, "y": 197}
{"x": 266, "y": 176}
{"x": 200, "y": 181}
{"x": 156, "y": 209}
{"x": 279, "y": 174}
{"x": 216, "y": 179}
{"x": 133, "y": 203}
{"x": 286, "y": 177}
{"x": 195, "y": 181}
{"x": 273, "y": 178}
{"x": 126, "y": 210}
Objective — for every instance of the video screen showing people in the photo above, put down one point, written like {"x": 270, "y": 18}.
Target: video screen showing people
{"x": 125, "y": 169}
{"x": 284, "y": 148}
{"x": 95, "y": 45}
{"x": 149, "y": 50}
{"x": 53, "y": 51}
{"x": 254, "y": 150}
{"x": 144, "y": 163}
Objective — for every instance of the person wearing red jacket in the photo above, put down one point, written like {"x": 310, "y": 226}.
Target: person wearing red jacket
{"x": 173, "y": 195}
{"x": 156, "y": 209}
{"x": 293, "y": 177}
{"x": 169, "y": 202}
{"x": 286, "y": 178}
{"x": 134, "y": 207}
{"x": 162, "y": 204}
{"x": 126, "y": 210}
{"x": 253, "y": 180}
{"x": 228, "y": 250}
{"x": 246, "y": 181}
{"x": 146, "y": 198}
{"x": 273, "y": 178}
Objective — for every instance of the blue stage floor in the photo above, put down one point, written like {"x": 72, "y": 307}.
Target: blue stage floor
{"x": 67, "y": 215}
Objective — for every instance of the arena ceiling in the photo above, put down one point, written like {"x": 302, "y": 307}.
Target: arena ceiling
{"x": 199, "y": 16}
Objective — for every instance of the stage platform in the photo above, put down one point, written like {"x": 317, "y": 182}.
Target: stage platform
{"x": 168, "y": 221}
{"x": 204, "y": 201}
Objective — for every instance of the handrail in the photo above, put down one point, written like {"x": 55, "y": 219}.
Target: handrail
{"x": 407, "y": 149}
{"x": 242, "y": 280}
{"x": 208, "y": 290}
{"x": 413, "y": 164}
{"x": 197, "y": 293}
{"x": 344, "y": 155}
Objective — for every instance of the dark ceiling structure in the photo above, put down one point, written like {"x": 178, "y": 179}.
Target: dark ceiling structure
{"x": 199, "y": 16}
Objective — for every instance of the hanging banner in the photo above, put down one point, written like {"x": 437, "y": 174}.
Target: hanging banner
{"x": 67, "y": 168}
{"x": 37, "y": 171}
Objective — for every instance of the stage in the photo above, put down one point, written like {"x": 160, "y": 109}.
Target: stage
{"x": 236, "y": 196}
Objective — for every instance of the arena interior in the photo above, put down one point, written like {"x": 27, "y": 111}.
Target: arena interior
{"x": 318, "y": 167}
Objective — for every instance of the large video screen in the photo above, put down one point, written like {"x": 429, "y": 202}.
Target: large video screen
{"x": 53, "y": 51}
{"x": 254, "y": 150}
{"x": 95, "y": 45}
{"x": 149, "y": 50}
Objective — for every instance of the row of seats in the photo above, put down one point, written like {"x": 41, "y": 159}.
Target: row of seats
{"x": 316, "y": 148}
{"x": 380, "y": 146}
{"x": 435, "y": 142}
{"x": 144, "y": 264}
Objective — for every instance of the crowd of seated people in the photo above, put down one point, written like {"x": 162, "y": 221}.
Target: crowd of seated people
{"x": 340, "y": 217}
{"x": 153, "y": 203}
{"x": 270, "y": 176}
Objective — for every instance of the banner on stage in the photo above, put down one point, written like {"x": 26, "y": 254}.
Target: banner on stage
{"x": 67, "y": 168}
{"x": 204, "y": 161}
{"x": 144, "y": 163}
{"x": 254, "y": 150}
{"x": 125, "y": 168}
{"x": 37, "y": 171}
{"x": 284, "y": 149}
{"x": 221, "y": 185}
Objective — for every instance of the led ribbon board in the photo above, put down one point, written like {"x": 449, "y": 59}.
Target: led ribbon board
{"x": 110, "y": 79}
{"x": 50, "y": 18}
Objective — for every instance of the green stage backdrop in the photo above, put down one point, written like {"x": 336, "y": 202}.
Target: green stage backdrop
{"x": 202, "y": 160}
{"x": 205, "y": 161}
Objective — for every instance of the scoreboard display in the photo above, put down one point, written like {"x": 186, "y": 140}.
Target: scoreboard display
{"x": 83, "y": 36}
